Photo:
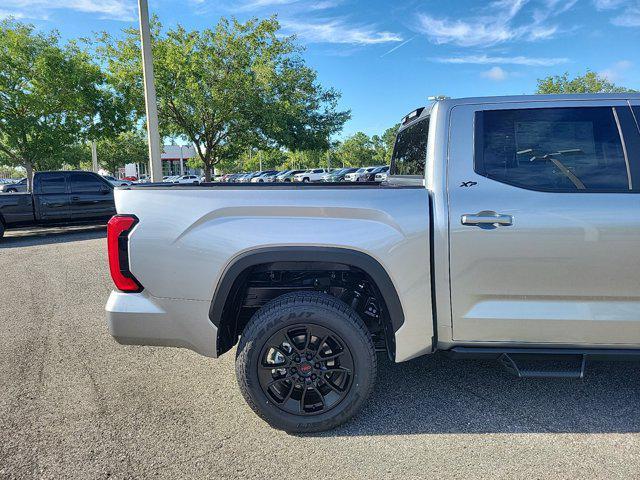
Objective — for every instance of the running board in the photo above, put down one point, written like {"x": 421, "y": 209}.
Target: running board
{"x": 519, "y": 367}
{"x": 544, "y": 362}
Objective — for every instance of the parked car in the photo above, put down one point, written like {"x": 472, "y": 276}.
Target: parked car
{"x": 517, "y": 240}
{"x": 371, "y": 176}
{"x": 144, "y": 179}
{"x": 261, "y": 176}
{"x": 288, "y": 175}
{"x": 381, "y": 176}
{"x": 245, "y": 177}
{"x": 19, "y": 186}
{"x": 311, "y": 175}
{"x": 337, "y": 175}
{"x": 65, "y": 197}
{"x": 187, "y": 179}
{"x": 272, "y": 176}
{"x": 116, "y": 182}
{"x": 354, "y": 176}
{"x": 131, "y": 178}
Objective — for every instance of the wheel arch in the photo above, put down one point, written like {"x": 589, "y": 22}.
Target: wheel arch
{"x": 230, "y": 286}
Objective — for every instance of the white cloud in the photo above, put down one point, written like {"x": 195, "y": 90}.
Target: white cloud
{"x": 630, "y": 17}
{"x": 109, "y": 9}
{"x": 339, "y": 31}
{"x": 616, "y": 72}
{"x": 495, "y": 73}
{"x": 627, "y": 12}
{"x": 608, "y": 4}
{"x": 260, "y": 4}
{"x": 502, "y": 21}
{"x": 489, "y": 60}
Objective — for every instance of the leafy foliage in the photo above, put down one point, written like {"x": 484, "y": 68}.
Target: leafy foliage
{"x": 590, "y": 82}
{"x": 115, "y": 152}
{"x": 51, "y": 98}
{"x": 226, "y": 89}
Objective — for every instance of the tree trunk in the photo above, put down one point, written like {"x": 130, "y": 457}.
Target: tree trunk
{"x": 207, "y": 171}
{"x": 29, "y": 167}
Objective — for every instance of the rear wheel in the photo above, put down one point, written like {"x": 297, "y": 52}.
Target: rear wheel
{"x": 306, "y": 362}
{"x": 306, "y": 180}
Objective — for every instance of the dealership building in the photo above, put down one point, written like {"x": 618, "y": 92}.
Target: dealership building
{"x": 174, "y": 162}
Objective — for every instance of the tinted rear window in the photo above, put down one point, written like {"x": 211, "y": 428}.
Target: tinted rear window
{"x": 410, "y": 151}
{"x": 52, "y": 183}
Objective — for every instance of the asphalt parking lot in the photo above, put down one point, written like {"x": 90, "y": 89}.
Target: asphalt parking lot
{"x": 75, "y": 404}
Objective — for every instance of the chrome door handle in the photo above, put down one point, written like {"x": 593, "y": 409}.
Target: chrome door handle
{"x": 486, "y": 218}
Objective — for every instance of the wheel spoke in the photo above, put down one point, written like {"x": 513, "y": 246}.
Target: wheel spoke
{"x": 324, "y": 405}
{"x": 303, "y": 398}
{"x": 322, "y": 340}
{"x": 276, "y": 381}
{"x": 307, "y": 338}
{"x": 332, "y": 386}
{"x": 328, "y": 358}
{"x": 288, "y": 395}
{"x": 292, "y": 343}
{"x": 336, "y": 369}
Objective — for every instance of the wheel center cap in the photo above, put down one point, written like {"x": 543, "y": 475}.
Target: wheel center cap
{"x": 305, "y": 369}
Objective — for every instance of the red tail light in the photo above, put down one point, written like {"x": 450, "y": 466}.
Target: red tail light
{"x": 118, "y": 230}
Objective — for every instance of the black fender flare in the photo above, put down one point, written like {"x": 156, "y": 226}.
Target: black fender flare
{"x": 231, "y": 278}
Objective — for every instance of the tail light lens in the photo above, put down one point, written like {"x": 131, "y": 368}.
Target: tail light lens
{"x": 118, "y": 230}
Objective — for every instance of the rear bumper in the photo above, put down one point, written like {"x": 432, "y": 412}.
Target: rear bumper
{"x": 142, "y": 319}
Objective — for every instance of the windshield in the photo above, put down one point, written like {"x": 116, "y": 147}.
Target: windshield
{"x": 410, "y": 151}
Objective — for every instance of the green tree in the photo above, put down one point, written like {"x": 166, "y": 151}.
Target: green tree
{"x": 590, "y": 82}
{"x": 383, "y": 145}
{"x": 52, "y": 96}
{"x": 356, "y": 151}
{"x": 115, "y": 152}
{"x": 226, "y": 89}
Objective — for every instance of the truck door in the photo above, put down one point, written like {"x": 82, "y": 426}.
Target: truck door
{"x": 91, "y": 196}
{"x": 51, "y": 198}
{"x": 545, "y": 223}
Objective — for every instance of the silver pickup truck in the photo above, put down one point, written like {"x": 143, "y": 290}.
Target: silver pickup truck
{"x": 508, "y": 228}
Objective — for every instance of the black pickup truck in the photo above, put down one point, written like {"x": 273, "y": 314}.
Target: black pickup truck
{"x": 64, "y": 198}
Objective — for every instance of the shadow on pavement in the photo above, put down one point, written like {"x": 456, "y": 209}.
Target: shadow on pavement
{"x": 48, "y": 235}
{"x": 435, "y": 394}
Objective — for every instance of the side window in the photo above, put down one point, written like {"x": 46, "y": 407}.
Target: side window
{"x": 410, "y": 151}
{"x": 553, "y": 149}
{"x": 85, "y": 182}
{"x": 52, "y": 183}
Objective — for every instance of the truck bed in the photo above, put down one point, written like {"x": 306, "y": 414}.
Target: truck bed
{"x": 188, "y": 235}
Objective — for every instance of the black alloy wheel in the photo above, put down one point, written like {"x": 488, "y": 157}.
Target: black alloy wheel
{"x": 306, "y": 362}
{"x": 305, "y": 369}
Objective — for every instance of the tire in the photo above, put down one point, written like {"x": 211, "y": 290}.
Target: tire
{"x": 287, "y": 180}
{"x": 11, "y": 190}
{"x": 1, "y": 229}
{"x": 306, "y": 180}
{"x": 328, "y": 394}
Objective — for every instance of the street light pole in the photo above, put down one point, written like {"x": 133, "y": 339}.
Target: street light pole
{"x": 153, "y": 133}
{"x": 94, "y": 156}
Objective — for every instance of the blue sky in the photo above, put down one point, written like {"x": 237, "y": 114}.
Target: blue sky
{"x": 387, "y": 57}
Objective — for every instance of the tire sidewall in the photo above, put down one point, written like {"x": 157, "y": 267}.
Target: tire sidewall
{"x": 355, "y": 341}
